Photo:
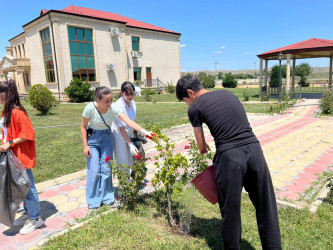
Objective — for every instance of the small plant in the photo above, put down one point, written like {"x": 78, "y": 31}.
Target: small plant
{"x": 246, "y": 96}
{"x": 326, "y": 103}
{"x": 198, "y": 161}
{"x": 159, "y": 90}
{"x": 130, "y": 181}
{"x": 79, "y": 91}
{"x": 170, "y": 88}
{"x": 264, "y": 96}
{"x": 172, "y": 170}
{"x": 41, "y": 98}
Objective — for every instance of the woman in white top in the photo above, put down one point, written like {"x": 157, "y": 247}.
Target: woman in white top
{"x": 98, "y": 144}
{"x": 122, "y": 132}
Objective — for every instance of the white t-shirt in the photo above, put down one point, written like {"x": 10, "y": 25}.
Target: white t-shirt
{"x": 4, "y": 138}
{"x": 96, "y": 121}
{"x": 130, "y": 111}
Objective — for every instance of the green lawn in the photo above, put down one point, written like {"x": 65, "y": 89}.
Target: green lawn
{"x": 58, "y": 139}
{"x": 253, "y": 92}
{"x": 146, "y": 228}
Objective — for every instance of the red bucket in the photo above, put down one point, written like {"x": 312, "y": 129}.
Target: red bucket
{"x": 205, "y": 183}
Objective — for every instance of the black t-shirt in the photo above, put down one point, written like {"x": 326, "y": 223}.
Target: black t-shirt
{"x": 225, "y": 117}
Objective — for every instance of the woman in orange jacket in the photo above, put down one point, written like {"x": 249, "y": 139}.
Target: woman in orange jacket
{"x": 18, "y": 135}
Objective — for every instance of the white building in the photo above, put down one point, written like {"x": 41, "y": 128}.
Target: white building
{"x": 103, "y": 48}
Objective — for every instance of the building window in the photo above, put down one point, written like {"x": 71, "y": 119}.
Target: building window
{"x": 47, "y": 55}
{"x": 137, "y": 74}
{"x": 135, "y": 43}
{"x": 82, "y": 53}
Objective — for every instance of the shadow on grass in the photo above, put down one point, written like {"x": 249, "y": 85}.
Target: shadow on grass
{"x": 47, "y": 114}
{"x": 210, "y": 230}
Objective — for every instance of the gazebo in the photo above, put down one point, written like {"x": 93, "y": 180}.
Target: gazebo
{"x": 311, "y": 48}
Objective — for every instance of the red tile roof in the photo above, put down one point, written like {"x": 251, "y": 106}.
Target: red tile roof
{"x": 111, "y": 17}
{"x": 310, "y": 44}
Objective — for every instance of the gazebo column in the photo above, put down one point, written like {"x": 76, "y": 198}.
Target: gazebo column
{"x": 260, "y": 77}
{"x": 293, "y": 76}
{"x": 330, "y": 74}
{"x": 288, "y": 73}
{"x": 266, "y": 73}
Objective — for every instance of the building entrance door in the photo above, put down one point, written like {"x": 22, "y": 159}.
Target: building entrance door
{"x": 148, "y": 77}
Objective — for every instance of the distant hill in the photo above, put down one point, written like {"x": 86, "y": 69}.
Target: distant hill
{"x": 315, "y": 70}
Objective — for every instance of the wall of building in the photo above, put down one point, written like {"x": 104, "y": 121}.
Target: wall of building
{"x": 160, "y": 51}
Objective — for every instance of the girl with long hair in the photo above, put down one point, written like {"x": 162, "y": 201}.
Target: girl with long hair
{"x": 19, "y": 136}
{"x": 98, "y": 144}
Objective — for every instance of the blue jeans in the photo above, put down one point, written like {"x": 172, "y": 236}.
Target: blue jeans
{"x": 99, "y": 188}
{"x": 31, "y": 202}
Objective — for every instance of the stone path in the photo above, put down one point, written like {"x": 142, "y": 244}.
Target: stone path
{"x": 297, "y": 147}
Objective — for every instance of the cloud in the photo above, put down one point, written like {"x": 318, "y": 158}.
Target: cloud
{"x": 223, "y": 47}
{"x": 182, "y": 45}
{"x": 245, "y": 53}
{"x": 217, "y": 52}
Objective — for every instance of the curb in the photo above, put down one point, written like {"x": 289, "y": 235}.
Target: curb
{"x": 313, "y": 207}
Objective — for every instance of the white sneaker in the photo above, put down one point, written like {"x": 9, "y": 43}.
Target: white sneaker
{"x": 31, "y": 225}
{"x": 21, "y": 220}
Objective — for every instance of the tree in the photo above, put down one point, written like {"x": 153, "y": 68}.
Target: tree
{"x": 41, "y": 98}
{"x": 79, "y": 91}
{"x": 303, "y": 70}
{"x": 206, "y": 81}
{"x": 274, "y": 75}
{"x": 229, "y": 81}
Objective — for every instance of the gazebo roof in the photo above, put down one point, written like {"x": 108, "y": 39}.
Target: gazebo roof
{"x": 310, "y": 48}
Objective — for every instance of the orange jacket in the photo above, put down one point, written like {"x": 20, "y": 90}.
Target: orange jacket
{"x": 21, "y": 127}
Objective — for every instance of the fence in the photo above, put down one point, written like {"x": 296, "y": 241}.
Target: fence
{"x": 154, "y": 83}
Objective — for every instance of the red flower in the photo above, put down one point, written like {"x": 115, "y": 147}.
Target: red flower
{"x": 107, "y": 159}
{"x": 187, "y": 147}
{"x": 138, "y": 157}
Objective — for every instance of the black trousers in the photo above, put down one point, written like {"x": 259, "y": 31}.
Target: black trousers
{"x": 245, "y": 166}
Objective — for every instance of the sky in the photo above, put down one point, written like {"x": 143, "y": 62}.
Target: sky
{"x": 222, "y": 35}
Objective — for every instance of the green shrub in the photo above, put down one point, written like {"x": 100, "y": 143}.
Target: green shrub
{"x": 79, "y": 91}
{"x": 130, "y": 181}
{"x": 170, "y": 88}
{"x": 246, "y": 96}
{"x": 208, "y": 82}
{"x": 229, "y": 81}
{"x": 41, "y": 98}
{"x": 264, "y": 96}
{"x": 326, "y": 103}
{"x": 159, "y": 90}
{"x": 303, "y": 82}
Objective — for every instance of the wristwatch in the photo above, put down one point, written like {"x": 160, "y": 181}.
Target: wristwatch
{"x": 11, "y": 143}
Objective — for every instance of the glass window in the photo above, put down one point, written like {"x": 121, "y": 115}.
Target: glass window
{"x": 82, "y": 53}
{"x": 137, "y": 74}
{"x": 47, "y": 54}
{"x": 135, "y": 43}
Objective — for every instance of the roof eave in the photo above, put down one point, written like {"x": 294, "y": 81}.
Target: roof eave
{"x": 295, "y": 51}
{"x": 170, "y": 32}
{"x": 98, "y": 18}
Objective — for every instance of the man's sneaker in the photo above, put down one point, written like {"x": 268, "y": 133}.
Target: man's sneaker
{"x": 21, "y": 220}
{"x": 31, "y": 225}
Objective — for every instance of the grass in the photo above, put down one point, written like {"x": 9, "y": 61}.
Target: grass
{"x": 146, "y": 228}
{"x": 58, "y": 139}
{"x": 253, "y": 92}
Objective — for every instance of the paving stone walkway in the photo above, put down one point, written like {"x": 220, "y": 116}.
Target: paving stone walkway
{"x": 297, "y": 145}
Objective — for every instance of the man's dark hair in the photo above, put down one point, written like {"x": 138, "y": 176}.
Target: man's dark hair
{"x": 185, "y": 83}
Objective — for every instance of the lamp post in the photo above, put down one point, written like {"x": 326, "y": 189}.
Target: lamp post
{"x": 280, "y": 57}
